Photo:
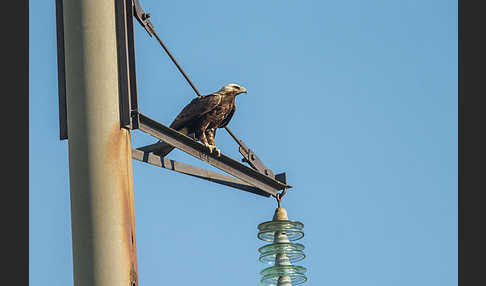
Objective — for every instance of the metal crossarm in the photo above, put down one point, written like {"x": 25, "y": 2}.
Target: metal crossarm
{"x": 198, "y": 150}
{"x": 248, "y": 155}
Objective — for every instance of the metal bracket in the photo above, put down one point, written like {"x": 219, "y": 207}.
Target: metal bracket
{"x": 127, "y": 79}
{"x": 143, "y": 18}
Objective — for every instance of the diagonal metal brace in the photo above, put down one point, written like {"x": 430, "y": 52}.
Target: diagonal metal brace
{"x": 198, "y": 150}
{"x": 250, "y": 157}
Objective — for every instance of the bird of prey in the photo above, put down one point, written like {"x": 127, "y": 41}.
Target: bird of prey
{"x": 204, "y": 114}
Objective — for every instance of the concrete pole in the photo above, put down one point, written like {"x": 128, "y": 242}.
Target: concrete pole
{"x": 100, "y": 164}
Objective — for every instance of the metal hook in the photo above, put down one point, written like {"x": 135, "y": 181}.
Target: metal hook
{"x": 279, "y": 196}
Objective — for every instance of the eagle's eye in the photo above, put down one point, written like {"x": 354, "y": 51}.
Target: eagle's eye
{"x": 237, "y": 87}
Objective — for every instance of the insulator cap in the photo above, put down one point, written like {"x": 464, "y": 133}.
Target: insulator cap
{"x": 280, "y": 214}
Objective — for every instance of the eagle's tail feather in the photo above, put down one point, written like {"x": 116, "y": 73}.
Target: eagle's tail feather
{"x": 166, "y": 148}
{"x": 164, "y": 151}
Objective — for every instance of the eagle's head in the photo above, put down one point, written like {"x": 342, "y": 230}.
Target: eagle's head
{"x": 232, "y": 89}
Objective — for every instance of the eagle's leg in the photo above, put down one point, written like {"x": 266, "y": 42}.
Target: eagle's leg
{"x": 202, "y": 136}
{"x": 211, "y": 133}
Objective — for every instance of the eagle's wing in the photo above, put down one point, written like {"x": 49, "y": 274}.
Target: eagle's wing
{"x": 197, "y": 107}
{"x": 228, "y": 117}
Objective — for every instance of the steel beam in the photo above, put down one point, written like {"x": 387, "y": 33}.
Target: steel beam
{"x": 195, "y": 172}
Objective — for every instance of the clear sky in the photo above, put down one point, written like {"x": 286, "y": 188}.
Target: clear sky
{"x": 355, "y": 100}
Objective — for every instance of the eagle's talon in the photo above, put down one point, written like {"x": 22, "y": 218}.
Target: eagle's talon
{"x": 210, "y": 147}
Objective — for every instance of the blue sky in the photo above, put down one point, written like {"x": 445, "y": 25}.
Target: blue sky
{"x": 355, "y": 100}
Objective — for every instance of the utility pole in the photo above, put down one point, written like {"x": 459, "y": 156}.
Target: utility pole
{"x": 100, "y": 159}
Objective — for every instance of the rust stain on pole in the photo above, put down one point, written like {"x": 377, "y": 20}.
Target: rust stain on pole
{"x": 119, "y": 149}
{"x": 132, "y": 243}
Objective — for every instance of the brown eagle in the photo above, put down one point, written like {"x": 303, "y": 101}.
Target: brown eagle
{"x": 204, "y": 114}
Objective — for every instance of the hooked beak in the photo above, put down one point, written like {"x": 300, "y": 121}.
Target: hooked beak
{"x": 243, "y": 90}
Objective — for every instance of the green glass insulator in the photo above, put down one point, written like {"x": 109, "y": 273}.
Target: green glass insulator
{"x": 294, "y": 252}
{"x": 293, "y": 229}
{"x": 272, "y": 274}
